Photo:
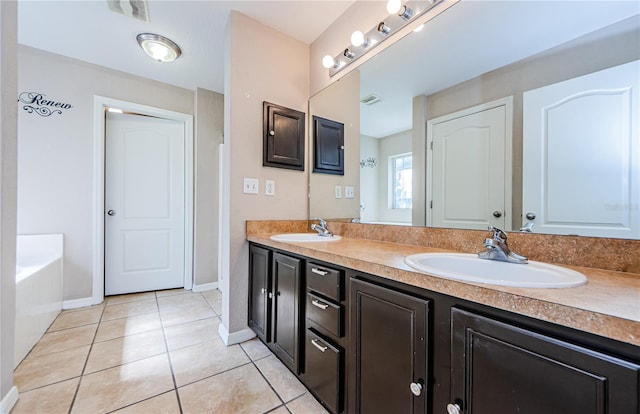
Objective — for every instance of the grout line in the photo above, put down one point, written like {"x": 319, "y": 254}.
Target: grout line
{"x": 166, "y": 347}
{"x": 86, "y": 361}
{"x": 138, "y": 402}
{"x": 263, "y": 376}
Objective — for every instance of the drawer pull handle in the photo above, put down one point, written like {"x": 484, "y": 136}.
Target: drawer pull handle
{"x": 321, "y": 348}
{"x": 319, "y": 272}
{"x": 319, "y": 304}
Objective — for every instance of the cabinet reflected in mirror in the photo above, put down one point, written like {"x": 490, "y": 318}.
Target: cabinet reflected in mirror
{"x": 428, "y": 80}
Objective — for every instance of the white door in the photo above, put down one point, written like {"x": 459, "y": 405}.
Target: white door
{"x": 468, "y": 168}
{"x": 581, "y": 155}
{"x": 144, "y": 204}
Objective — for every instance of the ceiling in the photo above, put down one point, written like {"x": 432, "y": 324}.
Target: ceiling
{"x": 89, "y": 31}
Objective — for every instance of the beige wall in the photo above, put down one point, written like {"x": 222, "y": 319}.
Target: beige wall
{"x": 8, "y": 173}
{"x": 391, "y": 146}
{"x": 261, "y": 65}
{"x": 209, "y": 128}
{"x": 341, "y": 105}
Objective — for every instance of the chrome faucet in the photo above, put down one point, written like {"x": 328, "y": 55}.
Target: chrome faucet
{"x": 321, "y": 228}
{"x": 497, "y": 248}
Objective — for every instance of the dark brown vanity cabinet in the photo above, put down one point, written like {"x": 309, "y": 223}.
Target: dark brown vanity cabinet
{"x": 275, "y": 283}
{"x": 389, "y": 346}
{"x": 260, "y": 292}
{"x": 498, "y": 368}
{"x": 325, "y": 341}
{"x": 283, "y": 137}
{"x": 287, "y": 282}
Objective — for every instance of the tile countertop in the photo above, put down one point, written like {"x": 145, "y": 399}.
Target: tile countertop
{"x": 608, "y": 305}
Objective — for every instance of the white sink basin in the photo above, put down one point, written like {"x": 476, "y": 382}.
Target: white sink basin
{"x": 469, "y": 268}
{"x": 303, "y": 237}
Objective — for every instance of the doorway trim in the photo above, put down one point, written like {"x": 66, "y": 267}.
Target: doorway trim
{"x": 100, "y": 103}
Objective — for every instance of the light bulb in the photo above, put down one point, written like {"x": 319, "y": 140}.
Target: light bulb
{"x": 357, "y": 38}
{"x": 328, "y": 61}
{"x": 393, "y": 6}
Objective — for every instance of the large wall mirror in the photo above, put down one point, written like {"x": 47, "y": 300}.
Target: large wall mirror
{"x": 518, "y": 114}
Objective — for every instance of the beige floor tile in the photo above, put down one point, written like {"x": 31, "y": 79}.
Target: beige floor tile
{"x": 131, "y": 297}
{"x": 280, "y": 410}
{"x": 241, "y": 390}
{"x": 169, "y": 292}
{"x": 124, "y": 310}
{"x": 217, "y": 306}
{"x": 124, "y": 385}
{"x": 256, "y": 349}
{"x": 132, "y": 325}
{"x": 130, "y": 348}
{"x": 37, "y": 371}
{"x": 192, "y": 333}
{"x": 176, "y": 301}
{"x": 52, "y": 399}
{"x": 281, "y": 379}
{"x": 166, "y": 403}
{"x": 188, "y": 313}
{"x": 204, "y": 360}
{"x": 211, "y": 295}
{"x": 74, "y": 318}
{"x": 57, "y": 341}
{"x": 306, "y": 405}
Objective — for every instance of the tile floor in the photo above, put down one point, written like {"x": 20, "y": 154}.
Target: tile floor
{"x": 154, "y": 352}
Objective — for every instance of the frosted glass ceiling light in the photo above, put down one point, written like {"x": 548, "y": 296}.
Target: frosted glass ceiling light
{"x": 393, "y": 6}
{"x": 329, "y": 62}
{"x": 159, "y": 47}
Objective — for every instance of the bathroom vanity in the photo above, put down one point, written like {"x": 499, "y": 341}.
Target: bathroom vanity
{"x": 366, "y": 334}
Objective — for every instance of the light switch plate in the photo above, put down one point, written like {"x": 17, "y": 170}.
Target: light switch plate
{"x": 338, "y": 191}
{"x": 250, "y": 186}
{"x": 349, "y": 191}
{"x": 270, "y": 187}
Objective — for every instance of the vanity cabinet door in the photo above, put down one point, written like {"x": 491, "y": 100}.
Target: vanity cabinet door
{"x": 259, "y": 291}
{"x": 284, "y": 138}
{"x": 287, "y": 279}
{"x": 499, "y": 368}
{"x": 388, "y": 351}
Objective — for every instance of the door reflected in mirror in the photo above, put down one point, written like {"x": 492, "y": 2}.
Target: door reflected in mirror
{"x": 432, "y": 89}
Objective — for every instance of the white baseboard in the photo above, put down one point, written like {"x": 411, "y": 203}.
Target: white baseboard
{"x": 205, "y": 286}
{"x": 235, "y": 337}
{"x": 77, "y": 303}
{"x": 9, "y": 401}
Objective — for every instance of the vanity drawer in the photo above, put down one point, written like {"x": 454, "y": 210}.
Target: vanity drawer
{"x": 325, "y": 313}
{"x": 325, "y": 280}
{"x": 323, "y": 368}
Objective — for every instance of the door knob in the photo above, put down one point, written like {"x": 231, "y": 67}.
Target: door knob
{"x": 530, "y": 216}
{"x": 497, "y": 213}
{"x": 111, "y": 212}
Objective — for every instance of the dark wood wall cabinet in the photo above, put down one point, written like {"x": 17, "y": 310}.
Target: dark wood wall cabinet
{"x": 328, "y": 146}
{"x": 283, "y": 137}
{"x": 364, "y": 344}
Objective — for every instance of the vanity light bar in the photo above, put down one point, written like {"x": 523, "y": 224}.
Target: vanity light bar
{"x": 362, "y": 43}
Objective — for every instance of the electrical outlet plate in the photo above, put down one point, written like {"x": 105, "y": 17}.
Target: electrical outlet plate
{"x": 270, "y": 187}
{"x": 250, "y": 186}
{"x": 338, "y": 191}
{"x": 349, "y": 191}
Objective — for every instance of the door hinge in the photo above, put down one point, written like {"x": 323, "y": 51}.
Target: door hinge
{"x": 431, "y": 204}
{"x": 431, "y": 145}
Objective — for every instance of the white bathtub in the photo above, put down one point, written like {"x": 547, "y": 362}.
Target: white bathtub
{"x": 38, "y": 288}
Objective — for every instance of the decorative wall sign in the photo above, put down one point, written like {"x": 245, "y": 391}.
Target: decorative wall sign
{"x": 36, "y": 102}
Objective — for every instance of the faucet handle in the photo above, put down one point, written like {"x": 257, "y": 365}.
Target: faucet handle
{"x": 323, "y": 223}
{"x": 497, "y": 234}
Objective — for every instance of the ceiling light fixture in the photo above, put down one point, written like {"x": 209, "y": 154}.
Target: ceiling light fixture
{"x": 159, "y": 47}
{"x": 399, "y": 16}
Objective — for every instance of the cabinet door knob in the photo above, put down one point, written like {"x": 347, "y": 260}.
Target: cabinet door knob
{"x": 453, "y": 409}
{"x": 530, "y": 216}
{"x": 497, "y": 213}
{"x": 263, "y": 291}
{"x": 272, "y": 133}
{"x": 416, "y": 388}
{"x": 270, "y": 295}
{"x": 111, "y": 212}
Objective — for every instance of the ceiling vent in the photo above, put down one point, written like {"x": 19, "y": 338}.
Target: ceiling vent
{"x": 370, "y": 99}
{"x": 138, "y": 9}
